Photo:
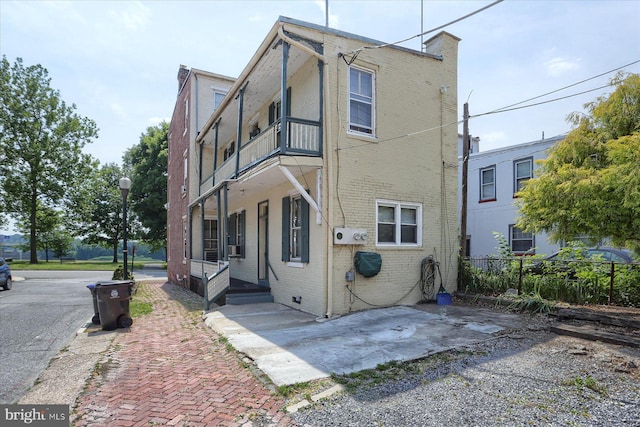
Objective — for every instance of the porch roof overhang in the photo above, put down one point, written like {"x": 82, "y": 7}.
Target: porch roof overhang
{"x": 268, "y": 174}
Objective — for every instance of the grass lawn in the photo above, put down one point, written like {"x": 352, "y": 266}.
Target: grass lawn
{"x": 77, "y": 265}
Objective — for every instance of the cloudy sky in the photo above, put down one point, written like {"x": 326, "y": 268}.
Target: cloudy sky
{"x": 118, "y": 60}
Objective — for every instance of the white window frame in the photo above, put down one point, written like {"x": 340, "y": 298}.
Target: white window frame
{"x": 398, "y": 206}
{"x": 217, "y": 92}
{"x": 186, "y": 116}
{"x": 512, "y": 238}
{"x": 483, "y": 184}
{"x": 295, "y": 230}
{"x": 356, "y": 97}
{"x": 519, "y": 180}
{"x": 184, "y": 240}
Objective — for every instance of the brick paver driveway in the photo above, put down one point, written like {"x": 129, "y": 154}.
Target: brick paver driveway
{"x": 171, "y": 369}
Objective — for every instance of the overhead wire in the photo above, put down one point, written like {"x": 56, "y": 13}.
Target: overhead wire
{"x": 511, "y": 107}
{"x": 428, "y": 31}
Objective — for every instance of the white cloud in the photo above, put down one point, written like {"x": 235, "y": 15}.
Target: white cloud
{"x": 134, "y": 17}
{"x": 558, "y": 66}
{"x": 118, "y": 109}
{"x": 333, "y": 19}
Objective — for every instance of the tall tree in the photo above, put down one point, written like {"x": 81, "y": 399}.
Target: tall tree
{"x": 42, "y": 140}
{"x": 101, "y": 199}
{"x": 148, "y": 162}
{"x": 589, "y": 185}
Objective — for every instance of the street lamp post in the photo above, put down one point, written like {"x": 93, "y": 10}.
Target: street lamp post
{"x": 125, "y": 185}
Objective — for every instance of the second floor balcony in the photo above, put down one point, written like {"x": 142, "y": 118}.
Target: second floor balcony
{"x": 274, "y": 109}
{"x": 302, "y": 138}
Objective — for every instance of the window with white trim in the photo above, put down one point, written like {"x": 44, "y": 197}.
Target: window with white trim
{"x": 218, "y": 96}
{"x": 236, "y": 225}
{"x": 521, "y": 241}
{"x": 185, "y": 245}
{"x": 186, "y": 116}
{"x": 398, "y": 223}
{"x": 488, "y": 183}
{"x": 522, "y": 172}
{"x": 295, "y": 236}
{"x": 295, "y": 229}
{"x": 361, "y": 100}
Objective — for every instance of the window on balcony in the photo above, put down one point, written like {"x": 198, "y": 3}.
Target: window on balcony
{"x": 488, "y": 184}
{"x": 361, "y": 100}
{"x": 398, "y": 223}
{"x": 522, "y": 172}
{"x": 295, "y": 229}
{"x": 275, "y": 108}
{"x": 229, "y": 150}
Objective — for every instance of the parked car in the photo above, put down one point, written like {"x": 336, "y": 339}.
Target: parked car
{"x": 555, "y": 262}
{"x": 602, "y": 253}
{"x": 5, "y": 275}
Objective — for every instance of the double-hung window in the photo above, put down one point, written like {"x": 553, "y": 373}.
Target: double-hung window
{"x": 295, "y": 229}
{"x": 361, "y": 100}
{"x": 398, "y": 224}
{"x": 521, "y": 241}
{"x": 522, "y": 172}
{"x": 488, "y": 183}
{"x": 236, "y": 230}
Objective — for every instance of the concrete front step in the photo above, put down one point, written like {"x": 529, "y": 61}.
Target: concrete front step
{"x": 249, "y": 298}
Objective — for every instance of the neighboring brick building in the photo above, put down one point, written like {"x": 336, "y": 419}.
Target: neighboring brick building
{"x": 322, "y": 148}
{"x": 199, "y": 93}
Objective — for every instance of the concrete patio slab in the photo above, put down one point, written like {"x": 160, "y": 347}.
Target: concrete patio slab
{"x": 291, "y": 346}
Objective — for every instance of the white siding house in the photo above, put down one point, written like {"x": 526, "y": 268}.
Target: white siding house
{"x": 494, "y": 178}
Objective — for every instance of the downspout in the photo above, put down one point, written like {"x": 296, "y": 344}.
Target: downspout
{"x": 328, "y": 135}
{"x": 239, "y": 134}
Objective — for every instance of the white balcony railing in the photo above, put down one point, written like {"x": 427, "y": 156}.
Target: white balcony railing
{"x": 303, "y": 138}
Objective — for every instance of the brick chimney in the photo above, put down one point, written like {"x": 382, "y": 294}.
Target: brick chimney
{"x": 183, "y": 72}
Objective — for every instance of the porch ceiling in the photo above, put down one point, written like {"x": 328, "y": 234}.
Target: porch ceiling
{"x": 261, "y": 179}
{"x": 264, "y": 86}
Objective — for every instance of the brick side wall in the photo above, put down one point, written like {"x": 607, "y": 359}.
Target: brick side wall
{"x": 177, "y": 267}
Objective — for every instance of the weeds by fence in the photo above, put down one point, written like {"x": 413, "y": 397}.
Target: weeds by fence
{"x": 572, "y": 281}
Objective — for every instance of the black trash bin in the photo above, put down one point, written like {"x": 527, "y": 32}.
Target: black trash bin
{"x": 94, "y": 294}
{"x": 113, "y": 304}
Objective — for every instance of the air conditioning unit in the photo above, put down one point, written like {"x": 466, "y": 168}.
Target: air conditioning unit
{"x": 350, "y": 236}
{"x": 235, "y": 251}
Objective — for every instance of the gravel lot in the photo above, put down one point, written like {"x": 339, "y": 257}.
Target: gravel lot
{"x": 518, "y": 378}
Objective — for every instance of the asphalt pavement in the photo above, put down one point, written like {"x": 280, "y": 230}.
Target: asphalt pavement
{"x": 38, "y": 317}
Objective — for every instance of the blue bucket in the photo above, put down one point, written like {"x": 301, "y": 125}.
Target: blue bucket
{"x": 443, "y": 298}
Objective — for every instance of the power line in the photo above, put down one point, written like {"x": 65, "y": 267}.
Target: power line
{"x": 428, "y": 31}
{"x": 563, "y": 88}
{"x": 504, "y": 110}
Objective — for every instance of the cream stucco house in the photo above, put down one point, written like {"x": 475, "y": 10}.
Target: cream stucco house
{"x": 326, "y": 149}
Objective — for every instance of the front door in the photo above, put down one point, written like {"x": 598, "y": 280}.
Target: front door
{"x": 263, "y": 243}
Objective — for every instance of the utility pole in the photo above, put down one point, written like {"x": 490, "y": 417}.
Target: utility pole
{"x": 463, "y": 209}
